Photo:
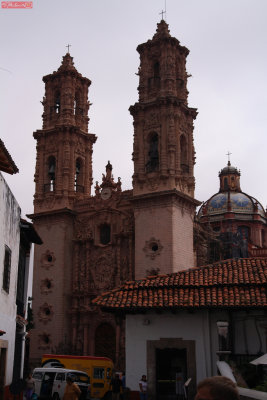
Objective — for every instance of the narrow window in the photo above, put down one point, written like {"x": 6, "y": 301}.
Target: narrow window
{"x": 7, "y": 267}
{"x": 57, "y": 102}
{"x": 153, "y": 154}
{"x": 78, "y": 179}
{"x": 51, "y": 174}
{"x": 156, "y": 70}
{"x": 105, "y": 234}
{"x": 225, "y": 184}
{"x": 78, "y": 103}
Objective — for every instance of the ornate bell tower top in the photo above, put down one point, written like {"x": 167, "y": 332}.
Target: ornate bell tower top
{"x": 66, "y": 97}
{"x": 63, "y": 172}
{"x": 162, "y": 69}
{"x": 163, "y": 152}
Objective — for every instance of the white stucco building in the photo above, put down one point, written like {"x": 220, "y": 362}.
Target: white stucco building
{"x": 179, "y": 325}
{"x": 9, "y": 260}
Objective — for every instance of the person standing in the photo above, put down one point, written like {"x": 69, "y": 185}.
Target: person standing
{"x": 30, "y": 386}
{"x": 72, "y": 391}
{"x": 143, "y": 388}
{"x": 116, "y": 387}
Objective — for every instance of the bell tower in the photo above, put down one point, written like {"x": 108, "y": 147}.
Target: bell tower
{"x": 63, "y": 176}
{"x": 64, "y": 146}
{"x": 164, "y": 158}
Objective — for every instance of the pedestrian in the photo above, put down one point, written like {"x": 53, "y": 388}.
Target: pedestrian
{"x": 217, "y": 388}
{"x": 123, "y": 382}
{"x": 143, "y": 388}
{"x": 116, "y": 387}
{"x": 72, "y": 391}
{"x": 30, "y": 386}
{"x": 14, "y": 391}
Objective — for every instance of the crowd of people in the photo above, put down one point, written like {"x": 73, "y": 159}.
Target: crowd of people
{"x": 214, "y": 388}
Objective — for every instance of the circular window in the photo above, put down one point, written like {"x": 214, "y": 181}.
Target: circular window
{"x": 48, "y": 284}
{"x": 49, "y": 258}
{"x": 154, "y": 247}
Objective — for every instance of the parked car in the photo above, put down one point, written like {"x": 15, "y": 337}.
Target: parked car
{"x": 50, "y": 383}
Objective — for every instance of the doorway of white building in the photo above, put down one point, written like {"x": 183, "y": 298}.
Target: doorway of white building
{"x": 171, "y": 373}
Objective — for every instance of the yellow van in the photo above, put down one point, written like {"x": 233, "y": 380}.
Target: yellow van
{"x": 99, "y": 370}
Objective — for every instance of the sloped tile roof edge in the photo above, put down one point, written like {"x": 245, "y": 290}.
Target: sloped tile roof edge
{"x": 234, "y": 283}
{"x": 12, "y": 169}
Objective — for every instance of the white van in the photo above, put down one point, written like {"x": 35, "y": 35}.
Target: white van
{"x": 50, "y": 383}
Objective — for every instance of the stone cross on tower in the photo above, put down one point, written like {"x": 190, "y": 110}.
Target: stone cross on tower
{"x": 162, "y": 12}
{"x": 228, "y": 154}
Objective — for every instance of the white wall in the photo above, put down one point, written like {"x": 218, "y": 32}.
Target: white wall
{"x": 9, "y": 236}
{"x": 200, "y": 326}
{"x": 188, "y": 326}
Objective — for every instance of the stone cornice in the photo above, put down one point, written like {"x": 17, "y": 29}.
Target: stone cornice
{"x": 61, "y": 211}
{"x": 139, "y": 200}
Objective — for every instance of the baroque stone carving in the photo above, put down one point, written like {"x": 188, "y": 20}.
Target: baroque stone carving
{"x": 102, "y": 269}
{"x": 152, "y": 120}
{"x": 83, "y": 229}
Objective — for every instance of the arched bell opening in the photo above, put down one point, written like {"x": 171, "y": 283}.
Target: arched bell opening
{"x": 152, "y": 163}
{"x": 79, "y": 176}
{"x": 50, "y": 184}
{"x": 57, "y": 102}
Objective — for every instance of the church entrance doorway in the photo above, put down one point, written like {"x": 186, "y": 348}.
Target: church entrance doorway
{"x": 171, "y": 373}
{"x": 170, "y": 363}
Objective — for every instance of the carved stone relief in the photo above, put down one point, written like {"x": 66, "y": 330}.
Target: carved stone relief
{"x": 83, "y": 228}
{"x": 152, "y": 120}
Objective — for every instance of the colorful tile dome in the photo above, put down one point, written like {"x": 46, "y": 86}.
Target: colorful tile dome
{"x": 230, "y": 199}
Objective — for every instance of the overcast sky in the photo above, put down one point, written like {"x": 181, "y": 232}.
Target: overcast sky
{"x": 227, "y": 40}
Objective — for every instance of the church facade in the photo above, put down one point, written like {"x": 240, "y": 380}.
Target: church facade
{"x": 96, "y": 239}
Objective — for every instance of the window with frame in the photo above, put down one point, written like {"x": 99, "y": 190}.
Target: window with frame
{"x": 105, "y": 234}
{"x": 7, "y": 268}
{"x": 99, "y": 373}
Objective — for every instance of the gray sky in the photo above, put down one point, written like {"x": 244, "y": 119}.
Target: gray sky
{"x": 227, "y": 40}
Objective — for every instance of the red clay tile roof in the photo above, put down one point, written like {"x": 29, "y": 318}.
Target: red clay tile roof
{"x": 6, "y": 162}
{"x": 238, "y": 283}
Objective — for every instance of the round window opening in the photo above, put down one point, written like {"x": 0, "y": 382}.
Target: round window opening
{"x": 45, "y": 339}
{"x": 154, "y": 247}
{"x": 47, "y": 311}
{"x": 49, "y": 258}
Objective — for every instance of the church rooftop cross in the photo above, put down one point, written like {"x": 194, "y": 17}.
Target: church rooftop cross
{"x": 68, "y": 46}
{"x": 228, "y": 154}
{"x": 162, "y": 12}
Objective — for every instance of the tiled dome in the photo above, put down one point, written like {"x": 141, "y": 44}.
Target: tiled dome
{"x": 230, "y": 198}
